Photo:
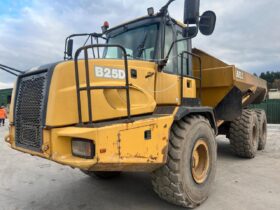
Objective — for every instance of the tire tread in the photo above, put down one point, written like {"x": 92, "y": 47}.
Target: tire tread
{"x": 172, "y": 190}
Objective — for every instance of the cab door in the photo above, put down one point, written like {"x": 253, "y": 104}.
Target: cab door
{"x": 168, "y": 81}
{"x": 189, "y": 84}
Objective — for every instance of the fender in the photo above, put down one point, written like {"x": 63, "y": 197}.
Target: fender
{"x": 201, "y": 110}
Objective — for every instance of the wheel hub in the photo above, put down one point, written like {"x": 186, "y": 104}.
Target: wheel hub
{"x": 200, "y": 161}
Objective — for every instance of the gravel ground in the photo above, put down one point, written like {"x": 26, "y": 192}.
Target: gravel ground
{"x": 28, "y": 182}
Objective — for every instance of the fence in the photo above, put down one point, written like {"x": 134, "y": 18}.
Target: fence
{"x": 272, "y": 109}
{"x": 5, "y": 96}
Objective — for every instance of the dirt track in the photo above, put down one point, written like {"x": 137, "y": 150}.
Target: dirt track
{"x": 28, "y": 182}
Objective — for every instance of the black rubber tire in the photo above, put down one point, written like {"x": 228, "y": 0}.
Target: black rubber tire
{"x": 262, "y": 128}
{"x": 102, "y": 174}
{"x": 244, "y": 134}
{"x": 174, "y": 182}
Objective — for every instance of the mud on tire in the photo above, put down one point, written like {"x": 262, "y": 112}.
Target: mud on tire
{"x": 244, "y": 134}
{"x": 262, "y": 128}
{"x": 175, "y": 182}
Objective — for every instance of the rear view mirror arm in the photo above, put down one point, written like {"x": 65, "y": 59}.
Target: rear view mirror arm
{"x": 163, "y": 62}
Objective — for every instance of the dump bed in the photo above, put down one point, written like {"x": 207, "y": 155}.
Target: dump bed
{"x": 227, "y": 88}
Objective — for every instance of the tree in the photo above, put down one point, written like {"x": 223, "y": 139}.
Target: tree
{"x": 272, "y": 78}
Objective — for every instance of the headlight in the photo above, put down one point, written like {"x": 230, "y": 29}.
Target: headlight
{"x": 83, "y": 148}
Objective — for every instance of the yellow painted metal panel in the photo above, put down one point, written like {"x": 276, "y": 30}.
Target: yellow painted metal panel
{"x": 134, "y": 145}
{"x": 113, "y": 145}
{"x": 189, "y": 88}
{"x": 216, "y": 84}
{"x": 106, "y": 104}
{"x": 245, "y": 81}
{"x": 167, "y": 88}
{"x": 218, "y": 78}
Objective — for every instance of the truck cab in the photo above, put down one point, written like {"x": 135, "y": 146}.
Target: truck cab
{"x": 149, "y": 39}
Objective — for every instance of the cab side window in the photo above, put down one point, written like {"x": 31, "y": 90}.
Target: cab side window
{"x": 181, "y": 47}
{"x": 169, "y": 38}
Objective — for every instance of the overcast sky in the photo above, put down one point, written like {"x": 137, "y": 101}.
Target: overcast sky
{"x": 32, "y": 32}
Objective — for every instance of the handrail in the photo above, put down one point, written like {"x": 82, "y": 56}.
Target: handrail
{"x": 193, "y": 77}
{"x": 11, "y": 70}
{"x": 89, "y": 88}
{"x": 90, "y": 36}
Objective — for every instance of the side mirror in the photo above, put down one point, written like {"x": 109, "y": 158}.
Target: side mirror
{"x": 207, "y": 23}
{"x": 190, "y": 32}
{"x": 70, "y": 48}
{"x": 191, "y": 11}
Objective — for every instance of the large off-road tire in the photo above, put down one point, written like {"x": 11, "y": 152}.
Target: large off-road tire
{"x": 244, "y": 134}
{"x": 102, "y": 174}
{"x": 189, "y": 173}
{"x": 262, "y": 128}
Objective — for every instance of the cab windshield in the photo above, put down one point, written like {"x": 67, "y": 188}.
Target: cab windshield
{"x": 140, "y": 43}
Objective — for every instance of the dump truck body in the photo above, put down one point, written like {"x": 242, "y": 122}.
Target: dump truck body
{"x": 226, "y": 88}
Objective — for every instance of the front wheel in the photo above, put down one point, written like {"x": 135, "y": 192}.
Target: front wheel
{"x": 188, "y": 175}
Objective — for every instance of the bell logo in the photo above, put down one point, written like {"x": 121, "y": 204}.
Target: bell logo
{"x": 239, "y": 74}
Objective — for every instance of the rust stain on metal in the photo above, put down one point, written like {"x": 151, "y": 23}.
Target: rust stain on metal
{"x": 139, "y": 156}
{"x": 119, "y": 145}
{"x": 45, "y": 148}
{"x": 153, "y": 157}
{"x": 103, "y": 150}
{"x": 164, "y": 153}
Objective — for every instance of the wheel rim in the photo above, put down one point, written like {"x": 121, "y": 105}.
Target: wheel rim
{"x": 200, "y": 161}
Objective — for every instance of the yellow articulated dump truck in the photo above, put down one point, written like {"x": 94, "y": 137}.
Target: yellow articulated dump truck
{"x": 137, "y": 97}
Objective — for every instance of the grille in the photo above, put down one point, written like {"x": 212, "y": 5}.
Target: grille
{"x": 29, "y": 111}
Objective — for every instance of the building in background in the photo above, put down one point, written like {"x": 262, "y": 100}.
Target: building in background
{"x": 274, "y": 94}
{"x": 5, "y": 97}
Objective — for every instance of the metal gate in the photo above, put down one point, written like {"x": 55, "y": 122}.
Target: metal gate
{"x": 272, "y": 109}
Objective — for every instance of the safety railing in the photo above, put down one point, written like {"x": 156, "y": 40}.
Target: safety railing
{"x": 88, "y": 88}
{"x": 10, "y": 70}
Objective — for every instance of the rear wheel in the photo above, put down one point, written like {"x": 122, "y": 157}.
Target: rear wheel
{"x": 188, "y": 175}
{"x": 262, "y": 128}
{"x": 102, "y": 174}
{"x": 244, "y": 134}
